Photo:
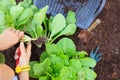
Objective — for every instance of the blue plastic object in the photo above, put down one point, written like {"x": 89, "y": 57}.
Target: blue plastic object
{"x": 86, "y": 10}
{"x": 95, "y": 55}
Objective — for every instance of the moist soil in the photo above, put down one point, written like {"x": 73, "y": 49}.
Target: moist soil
{"x": 106, "y": 36}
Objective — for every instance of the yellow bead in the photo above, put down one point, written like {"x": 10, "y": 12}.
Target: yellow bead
{"x": 18, "y": 69}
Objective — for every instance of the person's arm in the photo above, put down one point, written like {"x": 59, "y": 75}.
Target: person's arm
{"x": 24, "y": 75}
{"x": 6, "y": 73}
{"x": 24, "y": 60}
{"x": 9, "y": 38}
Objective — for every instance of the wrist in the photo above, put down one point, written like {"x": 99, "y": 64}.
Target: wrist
{"x": 20, "y": 69}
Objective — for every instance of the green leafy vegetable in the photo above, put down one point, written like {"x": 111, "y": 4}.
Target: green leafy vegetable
{"x": 58, "y": 24}
{"x": 26, "y": 17}
{"x": 61, "y": 61}
{"x": 67, "y": 46}
{"x": 71, "y": 18}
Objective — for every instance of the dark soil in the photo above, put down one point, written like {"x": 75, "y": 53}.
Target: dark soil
{"x": 107, "y": 37}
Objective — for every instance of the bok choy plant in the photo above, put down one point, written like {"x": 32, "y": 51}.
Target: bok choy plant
{"x": 28, "y": 18}
{"x": 61, "y": 61}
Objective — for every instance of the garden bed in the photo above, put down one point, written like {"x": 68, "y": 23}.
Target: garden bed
{"x": 107, "y": 37}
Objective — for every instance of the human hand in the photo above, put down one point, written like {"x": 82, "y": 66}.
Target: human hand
{"x": 9, "y": 38}
{"x": 25, "y": 54}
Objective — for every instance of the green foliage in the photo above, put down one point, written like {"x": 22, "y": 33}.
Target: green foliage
{"x": 61, "y": 61}
{"x": 27, "y": 17}
{"x": 2, "y": 58}
{"x": 71, "y": 18}
{"x": 59, "y": 26}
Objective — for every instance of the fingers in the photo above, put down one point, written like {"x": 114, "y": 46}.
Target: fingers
{"x": 16, "y": 55}
{"x": 21, "y": 34}
{"x": 17, "y": 32}
{"x": 13, "y": 30}
{"x": 28, "y": 49}
{"x": 9, "y": 29}
{"x": 22, "y": 48}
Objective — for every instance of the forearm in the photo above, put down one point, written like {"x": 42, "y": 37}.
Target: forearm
{"x": 6, "y": 73}
{"x": 24, "y": 75}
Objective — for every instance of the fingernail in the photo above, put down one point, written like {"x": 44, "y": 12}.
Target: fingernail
{"x": 22, "y": 34}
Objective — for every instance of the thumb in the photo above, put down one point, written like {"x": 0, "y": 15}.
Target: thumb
{"x": 22, "y": 48}
{"x": 28, "y": 49}
{"x": 16, "y": 56}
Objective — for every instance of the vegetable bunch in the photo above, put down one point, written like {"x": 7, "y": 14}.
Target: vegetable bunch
{"x": 61, "y": 61}
{"x": 27, "y": 17}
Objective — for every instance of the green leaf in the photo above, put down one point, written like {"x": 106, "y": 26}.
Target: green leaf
{"x": 75, "y": 64}
{"x": 58, "y": 24}
{"x": 16, "y": 11}
{"x": 35, "y": 29}
{"x": 65, "y": 58}
{"x": 31, "y": 72}
{"x": 88, "y": 62}
{"x": 25, "y": 3}
{"x": 39, "y": 30}
{"x": 43, "y": 78}
{"x": 82, "y": 54}
{"x": 53, "y": 49}
{"x": 25, "y": 16}
{"x": 71, "y": 18}
{"x": 57, "y": 63}
{"x": 7, "y": 4}
{"x": 69, "y": 30}
{"x": 67, "y": 46}
{"x": 68, "y": 73}
{"x": 2, "y": 58}
{"x": 43, "y": 56}
{"x": 56, "y": 78}
{"x": 42, "y": 68}
{"x": 40, "y": 16}
{"x": 81, "y": 75}
{"x": 2, "y": 22}
{"x": 90, "y": 74}
{"x": 34, "y": 9}
{"x": 30, "y": 28}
